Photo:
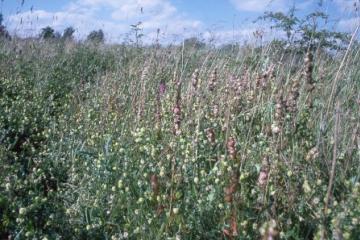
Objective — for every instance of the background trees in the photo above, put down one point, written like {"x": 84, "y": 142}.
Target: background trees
{"x": 96, "y": 36}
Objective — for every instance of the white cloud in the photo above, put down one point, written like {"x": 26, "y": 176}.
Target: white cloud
{"x": 264, "y": 5}
{"x": 347, "y": 5}
{"x": 113, "y": 16}
{"x": 349, "y": 24}
{"x": 259, "y": 5}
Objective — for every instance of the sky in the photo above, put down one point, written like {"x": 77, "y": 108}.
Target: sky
{"x": 220, "y": 21}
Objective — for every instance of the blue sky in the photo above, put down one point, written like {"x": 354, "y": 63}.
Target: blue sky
{"x": 221, "y": 20}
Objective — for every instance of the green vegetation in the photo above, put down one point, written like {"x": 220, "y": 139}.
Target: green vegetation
{"x": 179, "y": 142}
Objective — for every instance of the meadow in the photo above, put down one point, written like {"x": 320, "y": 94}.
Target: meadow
{"x": 176, "y": 142}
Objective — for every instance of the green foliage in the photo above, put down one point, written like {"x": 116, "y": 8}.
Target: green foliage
{"x": 194, "y": 42}
{"x": 311, "y": 32}
{"x": 96, "y": 36}
{"x": 68, "y": 33}
{"x": 47, "y": 33}
{"x": 4, "y": 34}
{"x": 88, "y": 150}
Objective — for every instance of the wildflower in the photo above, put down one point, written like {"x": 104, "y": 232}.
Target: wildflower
{"x": 196, "y": 180}
{"x": 275, "y": 129}
{"x": 22, "y": 211}
{"x": 306, "y": 187}
{"x": 120, "y": 183}
{"x": 175, "y": 210}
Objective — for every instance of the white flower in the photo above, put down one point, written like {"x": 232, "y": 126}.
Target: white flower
{"x": 306, "y": 186}
{"x": 196, "y": 180}
{"x": 275, "y": 129}
{"x": 22, "y": 211}
{"x": 175, "y": 210}
{"x": 120, "y": 184}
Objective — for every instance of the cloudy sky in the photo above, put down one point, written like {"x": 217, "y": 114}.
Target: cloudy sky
{"x": 221, "y": 20}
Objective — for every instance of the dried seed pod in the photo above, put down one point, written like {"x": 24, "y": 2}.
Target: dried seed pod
{"x": 215, "y": 111}
{"x": 231, "y": 148}
{"x": 154, "y": 184}
{"x": 210, "y": 135}
{"x": 291, "y": 101}
{"x": 177, "y": 119}
{"x": 233, "y": 230}
{"x": 213, "y": 80}
{"x": 195, "y": 78}
{"x": 231, "y": 189}
{"x": 279, "y": 107}
{"x": 308, "y": 71}
{"x": 264, "y": 173}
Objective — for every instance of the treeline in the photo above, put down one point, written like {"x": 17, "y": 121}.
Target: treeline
{"x": 307, "y": 33}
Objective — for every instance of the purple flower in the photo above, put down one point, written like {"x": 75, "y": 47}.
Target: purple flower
{"x": 162, "y": 89}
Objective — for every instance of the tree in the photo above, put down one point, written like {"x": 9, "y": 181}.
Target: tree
{"x": 285, "y": 22}
{"x": 3, "y": 32}
{"x": 136, "y": 28}
{"x": 96, "y": 36}
{"x": 194, "y": 42}
{"x": 307, "y": 33}
{"x": 47, "y": 33}
{"x": 68, "y": 33}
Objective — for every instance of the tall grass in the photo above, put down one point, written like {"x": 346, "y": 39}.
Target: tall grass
{"x": 116, "y": 142}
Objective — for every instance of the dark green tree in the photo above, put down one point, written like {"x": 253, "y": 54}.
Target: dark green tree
{"x": 96, "y": 36}
{"x": 3, "y": 32}
{"x": 47, "y": 33}
{"x": 68, "y": 33}
{"x": 194, "y": 42}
